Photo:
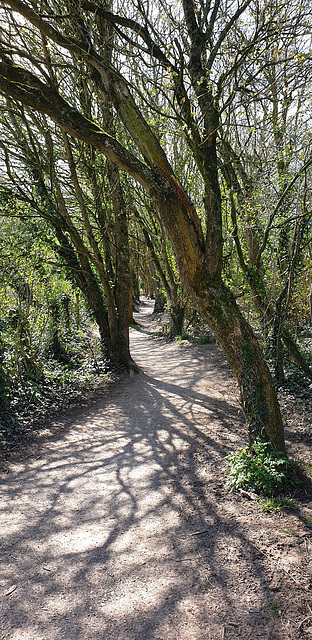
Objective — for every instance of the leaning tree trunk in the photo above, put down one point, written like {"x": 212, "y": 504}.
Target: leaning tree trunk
{"x": 239, "y": 344}
{"x": 217, "y": 306}
{"x": 199, "y": 259}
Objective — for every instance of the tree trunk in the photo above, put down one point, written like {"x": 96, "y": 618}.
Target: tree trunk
{"x": 123, "y": 288}
{"x": 55, "y": 345}
{"x": 218, "y": 308}
{"x": 234, "y": 335}
{"x": 135, "y": 291}
{"x": 176, "y": 320}
{"x": 160, "y": 300}
{"x": 79, "y": 268}
{"x": 278, "y": 326}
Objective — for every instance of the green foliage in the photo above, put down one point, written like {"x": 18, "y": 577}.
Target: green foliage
{"x": 273, "y": 606}
{"x": 275, "y": 505}
{"x": 185, "y": 336}
{"x": 29, "y": 401}
{"x": 205, "y": 338}
{"x": 136, "y": 327}
{"x": 181, "y": 339}
{"x": 32, "y": 294}
{"x": 49, "y": 353}
{"x": 262, "y": 469}
{"x": 297, "y": 384}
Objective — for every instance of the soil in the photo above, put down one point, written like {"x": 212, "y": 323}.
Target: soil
{"x": 116, "y": 524}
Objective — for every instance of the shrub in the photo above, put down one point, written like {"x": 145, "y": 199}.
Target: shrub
{"x": 261, "y": 469}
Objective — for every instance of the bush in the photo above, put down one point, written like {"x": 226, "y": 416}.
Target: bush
{"x": 262, "y": 469}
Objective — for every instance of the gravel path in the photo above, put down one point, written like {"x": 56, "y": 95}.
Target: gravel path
{"x": 116, "y": 526}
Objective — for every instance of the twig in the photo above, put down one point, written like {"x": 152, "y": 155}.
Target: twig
{"x": 199, "y": 533}
{"x": 11, "y": 591}
{"x": 184, "y": 559}
{"x": 259, "y": 550}
{"x": 304, "y": 620}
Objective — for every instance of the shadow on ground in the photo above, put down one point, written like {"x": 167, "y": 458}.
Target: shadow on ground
{"x": 118, "y": 526}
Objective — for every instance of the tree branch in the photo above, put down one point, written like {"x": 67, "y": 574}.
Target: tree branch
{"x": 275, "y": 210}
{"x": 225, "y": 31}
{"x": 25, "y": 87}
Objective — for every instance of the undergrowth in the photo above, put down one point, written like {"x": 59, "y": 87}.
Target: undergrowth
{"x": 276, "y": 505}
{"x": 261, "y": 469}
{"x": 27, "y": 401}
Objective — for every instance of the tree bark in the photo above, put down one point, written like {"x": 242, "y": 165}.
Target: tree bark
{"x": 177, "y": 313}
{"x": 120, "y": 326}
{"x": 217, "y": 306}
{"x": 199, "y": 263}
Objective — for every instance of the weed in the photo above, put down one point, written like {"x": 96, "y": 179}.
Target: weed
{"x": 262, "y": 469}
{"x": 276, "y": 505}
{"x": 186, "y": 336}
{"x": 275, "y": 608}
{"x": 135, "y": 326}
{"x": 181, "y": 340}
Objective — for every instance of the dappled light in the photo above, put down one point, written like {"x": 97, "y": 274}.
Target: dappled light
{"x": 117, "y": 525}
{"x": 155, "y": 320}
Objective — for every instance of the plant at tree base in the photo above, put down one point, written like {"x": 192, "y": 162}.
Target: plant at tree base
{"x": 261, "y": 469}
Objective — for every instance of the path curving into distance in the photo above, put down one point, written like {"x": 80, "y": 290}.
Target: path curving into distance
{"x": 116, "y": 526}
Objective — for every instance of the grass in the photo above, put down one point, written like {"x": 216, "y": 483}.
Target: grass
{"x": 273, "y": 606}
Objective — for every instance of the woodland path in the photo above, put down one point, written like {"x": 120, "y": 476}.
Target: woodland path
{"x": 115, "y": 524}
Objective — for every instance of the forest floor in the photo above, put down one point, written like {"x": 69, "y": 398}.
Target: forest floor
{"x": 116, "y": 524}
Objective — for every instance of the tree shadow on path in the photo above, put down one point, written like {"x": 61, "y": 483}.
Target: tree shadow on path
{"x": 118, "y": 526}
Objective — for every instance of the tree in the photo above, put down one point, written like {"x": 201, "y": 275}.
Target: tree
{"x": 83, "y": 218}
{"x": 266, "y": 158}
{"x": 163, "y": 266}
{"x": 199, "y": 35}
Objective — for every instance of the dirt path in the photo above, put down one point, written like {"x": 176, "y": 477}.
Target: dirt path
{"x": 116, "y": 525}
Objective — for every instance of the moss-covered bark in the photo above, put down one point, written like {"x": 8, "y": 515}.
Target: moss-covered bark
{"x": 242, "y": 350}
{"x": 199, "y": 259}
{"x": 218, "y": 307}
{"x": 123, "y": 287}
